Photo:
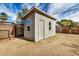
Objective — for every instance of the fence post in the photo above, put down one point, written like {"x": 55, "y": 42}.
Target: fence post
{"x": 9, "y": 35}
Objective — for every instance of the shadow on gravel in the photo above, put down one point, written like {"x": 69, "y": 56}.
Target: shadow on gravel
{"x": 75, "y": 48}
{"x": 75, "y": 51}
{"x": 71, "y": 45}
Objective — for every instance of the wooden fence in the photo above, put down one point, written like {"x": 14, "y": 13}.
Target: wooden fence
{"x": 7, "y": 30}
{"x": 74, "y": 30}
{"x": 19, "y": 29}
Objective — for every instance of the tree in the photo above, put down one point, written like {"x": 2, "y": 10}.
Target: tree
{"x": 24, "y": 11}
{"x": 3, "y": 16}
{"x": 58, "y": 22}
{"x": 66, "y": 22}
{"x": 21, "y": 14}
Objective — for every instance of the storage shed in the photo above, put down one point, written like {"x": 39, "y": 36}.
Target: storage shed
{"x": 38, "y": 25}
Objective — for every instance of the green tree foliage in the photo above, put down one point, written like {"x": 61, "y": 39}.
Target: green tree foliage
{"x": 66, "y": 22}
{"x": 21, "y": 13}
{"x": 24, "y": 11}
{"x": 3, "y": 16}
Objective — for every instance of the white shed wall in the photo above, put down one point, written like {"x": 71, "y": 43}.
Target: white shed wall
{"x": 47, "y": 32}
{"x": 34, "y": 33}
{"x": 29, "y": 34}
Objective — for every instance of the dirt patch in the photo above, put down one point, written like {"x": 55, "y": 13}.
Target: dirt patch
{"x": 58, "y": 45}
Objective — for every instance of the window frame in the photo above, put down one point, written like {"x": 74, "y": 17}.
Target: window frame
{"x": 49, "y": 25}
{"x": 28, "y": 27}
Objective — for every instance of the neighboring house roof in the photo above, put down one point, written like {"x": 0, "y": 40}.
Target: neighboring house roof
{"x": 58, "y": 25}
{"x": 35, "y": 9}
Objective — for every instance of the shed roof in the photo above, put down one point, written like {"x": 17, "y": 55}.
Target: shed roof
{"x": 35, "y": 9}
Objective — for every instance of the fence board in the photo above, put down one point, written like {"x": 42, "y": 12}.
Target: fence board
{"x": 4, "y": 34}
{"x": 7, "y": 30}
{"x": 74, "y": 30}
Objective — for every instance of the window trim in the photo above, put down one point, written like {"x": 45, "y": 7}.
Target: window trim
{"x": 28, "y": 27}
{"x": 49, "y": 25}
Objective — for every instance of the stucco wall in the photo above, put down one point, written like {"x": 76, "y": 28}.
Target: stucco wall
{"x": 47, "y": 32}
{"x": 29, "y": 34}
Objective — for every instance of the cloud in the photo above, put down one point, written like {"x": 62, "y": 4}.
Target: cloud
{"x": 8, "y": 8}
{"x": 37, "y": 4}
{"x": 27, "y": 5}
{"x": 58, "y": 10}
{"x": 74, "y": 16}
{"x": 64, "y": 10}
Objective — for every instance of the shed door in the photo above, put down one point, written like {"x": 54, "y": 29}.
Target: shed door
{"x": 41, "y": 29}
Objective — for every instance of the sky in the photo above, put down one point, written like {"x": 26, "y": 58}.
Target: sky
{"x": 57, "y": 10}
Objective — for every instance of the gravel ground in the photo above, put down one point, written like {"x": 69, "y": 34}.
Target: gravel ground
{"x": 58, "y": 45}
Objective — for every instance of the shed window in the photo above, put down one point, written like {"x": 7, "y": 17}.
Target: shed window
{"x": 28, "y": 28}
{"x": 49, "y": 25}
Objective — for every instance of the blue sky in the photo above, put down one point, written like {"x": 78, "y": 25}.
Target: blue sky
{"x": 57, "y": 10}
